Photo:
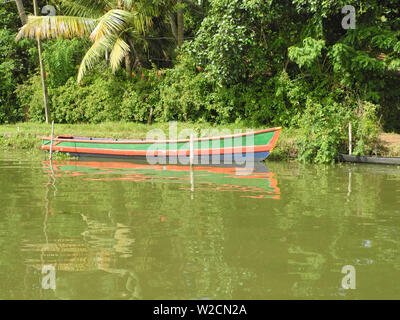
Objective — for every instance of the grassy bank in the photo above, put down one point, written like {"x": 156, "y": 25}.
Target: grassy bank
{"x": 26, "y": 136}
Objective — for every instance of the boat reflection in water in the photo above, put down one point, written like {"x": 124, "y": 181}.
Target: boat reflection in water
{"x": 118, "y": 250}
{"x": 257, "y": 182}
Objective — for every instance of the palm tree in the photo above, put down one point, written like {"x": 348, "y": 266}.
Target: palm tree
{"x": 180, "y": 23}
{"x": 42, "y": 70}
{"x": 112, "y": 25}
{"x": 21, "y": 11}
{"x": 22, "y": 16}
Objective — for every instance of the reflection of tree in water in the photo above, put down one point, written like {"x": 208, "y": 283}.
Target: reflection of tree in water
{"x": 187, "y": 248}
{"x": 104, "y": 243}
{"x": 332, "y": 219}
{"x": 94, "y": 251}
{"x": 136, "y": 240}
{"x": 194, "y": 245}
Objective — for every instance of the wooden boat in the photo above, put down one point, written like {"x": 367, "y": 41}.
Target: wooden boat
{"x": 257, "y": 145}
{"x": 371, "y": 160}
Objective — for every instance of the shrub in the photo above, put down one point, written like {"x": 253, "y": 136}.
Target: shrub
{"x": 96, "y": 100}
{"x": 62, "y": 58}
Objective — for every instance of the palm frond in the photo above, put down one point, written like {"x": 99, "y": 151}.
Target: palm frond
{"x": 84, "y": 8}
{"x": 142, "y": 22}
{"x": 56, "y": 26}
{"x": 94, "y": 54}
{"x": 120, "y": 49}
{"x": 127, "y": 4}
{"x": 113, "y": 22}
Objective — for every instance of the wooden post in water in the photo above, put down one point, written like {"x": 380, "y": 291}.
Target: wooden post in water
{"x": 191, "y": 183}
{"x": 349, "y": 187}
{"x": 350, "y": 140}
{"x": 191, "y": 158}
{"x": 51, "y": 140}
{"x": 191, "y": 150}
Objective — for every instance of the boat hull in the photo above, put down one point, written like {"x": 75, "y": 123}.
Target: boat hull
{"x": 371, "y": 160}
{"x": 258, "y": 156}
{"x": 255, "y": 146}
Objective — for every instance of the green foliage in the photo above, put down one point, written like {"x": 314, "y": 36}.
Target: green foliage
{"x": 14, "y": 66}
{"x": 186, "y": 94}
{"x": 323, "y": 130}
{"x": 307, "y": 54}
{"x": 20, "y": 141}
{"x": 95, "y": 101}
{"x": 141, "y": 95}
{"x": 366, "y": 129}
{"x": 62, "y": 58}
{"x": 226, "y": 43}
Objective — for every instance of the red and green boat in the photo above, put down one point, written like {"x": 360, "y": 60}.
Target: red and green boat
{"x": 256, "y": 145}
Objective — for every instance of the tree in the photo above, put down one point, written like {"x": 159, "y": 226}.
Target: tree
{"x": 42, "y": 70}
{"x": 21, "y": 11}
{"x": 180, "y": 23}
{"x": 113, "y": 26}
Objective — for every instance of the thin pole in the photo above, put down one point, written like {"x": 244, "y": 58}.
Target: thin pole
{"x": 191, "y": 158}
{"x": 42, "y": 69}
{"x": 191, "y": 155}
{"x": 179, "y": 22}
{"x": 191, "y": 183}
{"x": 51, "y": 141}
{"x": 349, "y": 187}
{"x": 350, "y": 138}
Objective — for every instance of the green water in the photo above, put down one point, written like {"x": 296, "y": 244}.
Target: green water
{"x": 134, "y": 232}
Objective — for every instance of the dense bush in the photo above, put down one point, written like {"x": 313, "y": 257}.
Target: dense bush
{"x": 62, "y": 58}
{"x": 97, "y": 100}
{"x": 15, "y": 65}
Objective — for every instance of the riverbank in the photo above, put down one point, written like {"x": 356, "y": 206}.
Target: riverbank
{"x": 26, "y": 136}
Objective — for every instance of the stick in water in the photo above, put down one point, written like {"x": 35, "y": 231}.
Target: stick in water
{"x": 191, "y": 155}
{"x": 350, "y": 138}
{"x": 51, "y": 141}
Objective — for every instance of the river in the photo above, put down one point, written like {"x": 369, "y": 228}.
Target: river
{"x": 128, "y": 230}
